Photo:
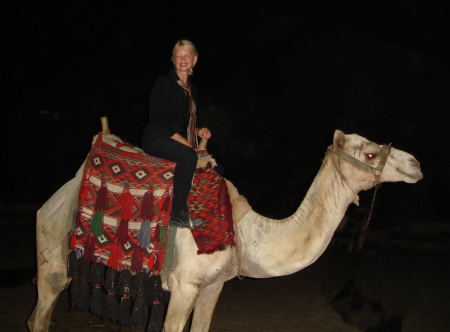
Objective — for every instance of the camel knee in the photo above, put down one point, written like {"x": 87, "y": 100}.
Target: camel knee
{"x": 53, "y": 281}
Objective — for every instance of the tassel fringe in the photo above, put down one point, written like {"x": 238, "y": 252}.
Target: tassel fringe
{"x": 144, "y": 234}
{"x": 156, "y": 318}
{"x": 72, "y": 261}
{"x": 102, "y": 197}
{"x": 97, "y": 224}
{"x": 137, "y": 261}
{"x": 122, "y": 231}
{"x": 115, "y": 256}
{"x": 147, "y": 206}
{"x": 126, "y": 203}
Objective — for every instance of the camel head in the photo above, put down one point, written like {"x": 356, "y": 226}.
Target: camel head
{"x": 399, "y": 165}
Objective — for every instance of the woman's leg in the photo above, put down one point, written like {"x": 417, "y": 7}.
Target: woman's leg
{"x": 186, "y": 159}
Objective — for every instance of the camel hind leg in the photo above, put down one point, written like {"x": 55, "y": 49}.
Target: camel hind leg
{"x": 51, "y": 280}
{"x": 204, "y": 307}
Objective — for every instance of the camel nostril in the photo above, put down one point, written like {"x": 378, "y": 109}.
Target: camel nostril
{"x": 414, "y": 163}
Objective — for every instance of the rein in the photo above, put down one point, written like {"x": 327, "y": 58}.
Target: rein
{"x": 376, "y": 171}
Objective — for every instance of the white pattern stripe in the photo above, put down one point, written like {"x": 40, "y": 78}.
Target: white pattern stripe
{"x": 118, "y": 189}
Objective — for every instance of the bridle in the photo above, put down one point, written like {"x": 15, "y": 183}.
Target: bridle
{"x": 376, "y": 171}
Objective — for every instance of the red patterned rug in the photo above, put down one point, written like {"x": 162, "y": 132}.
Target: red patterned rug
{"x": 125, "y": 203}
{"x": 123, "y": 180}
{"x": 209, "y": 201}
{"x": 122, "y": 223}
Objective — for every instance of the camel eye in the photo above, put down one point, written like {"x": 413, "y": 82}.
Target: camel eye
{"x": 371, "y": 155}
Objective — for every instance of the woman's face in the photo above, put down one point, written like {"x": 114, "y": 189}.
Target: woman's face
{"x": 184, "y": 60}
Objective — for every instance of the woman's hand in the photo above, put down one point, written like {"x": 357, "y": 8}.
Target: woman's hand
{"x": 203, "y": 133}
{"x": 177, "y": 137}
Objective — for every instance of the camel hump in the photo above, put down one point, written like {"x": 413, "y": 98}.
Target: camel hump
{"x": 239, "y": 202}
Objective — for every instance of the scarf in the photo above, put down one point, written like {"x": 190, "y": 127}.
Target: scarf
{"x": 191, "y": 134}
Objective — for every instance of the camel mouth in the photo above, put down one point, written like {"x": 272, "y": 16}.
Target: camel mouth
{"x": 411, "y": 178}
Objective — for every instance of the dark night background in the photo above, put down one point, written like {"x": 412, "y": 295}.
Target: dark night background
{"x": 275, "y": 80}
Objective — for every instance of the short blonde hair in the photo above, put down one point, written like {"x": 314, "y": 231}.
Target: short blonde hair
{"x": 189, "y": 45}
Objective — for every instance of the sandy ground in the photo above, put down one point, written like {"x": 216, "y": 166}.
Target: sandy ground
{"x": 393, "y": 284}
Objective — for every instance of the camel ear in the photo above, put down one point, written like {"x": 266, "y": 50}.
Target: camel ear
{"x": 339, "y": 139}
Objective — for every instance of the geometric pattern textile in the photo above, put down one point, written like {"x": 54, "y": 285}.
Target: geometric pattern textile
{"x": 119, "y": 167}
{"x": 209, "y": 201}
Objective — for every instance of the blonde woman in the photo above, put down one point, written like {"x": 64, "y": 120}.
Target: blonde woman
{"x": 172, "y": 132}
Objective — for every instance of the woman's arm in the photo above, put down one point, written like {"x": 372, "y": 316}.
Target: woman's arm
{"x": 177, "y": 137}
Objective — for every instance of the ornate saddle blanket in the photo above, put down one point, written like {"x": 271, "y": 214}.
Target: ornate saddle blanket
{"x": 125, "y": 203}
{"x": 121, "y": 222}
{"x": 209, "y": 200}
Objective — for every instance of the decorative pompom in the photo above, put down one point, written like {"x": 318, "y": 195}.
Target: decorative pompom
{"x": 136, "y": 260}
{"x": 157, "y": 235}
{"x": 85, "y": 295}
{"x": 156, "y": 318}
{"x": 75, "y": 292}
{"x": 147, "y": 206}
{"x": 162, "y": 234}
{"x": 84, "y": 191}
{"x": 153, "y": 262}
{"x": 126, "y": 202}
{"x": 87, "y": 248}
{"x": 111, "y": 282}
{"x": 140, "y": 308}
{"x": 144, "y": 234}
{"x": 98, "y": 301}
{"x": 91, "y": 257}
{"x": 78, "y": 218}
{"x": 139, "y": 315}
{"x": 97, "y": 224}
{"x": 125, "y": 283}
{"x": 166, "y": 205}
{"x": 97, "y": 274}
{"x": 122, "y": 232}
{"x": 125, "y": 311}
{"x": 112, "y": 302}
{"x": 115, "y": 256}
{"x": 111, "y": 308}
{"x": 75, "y": 285}
{"x": 102, "y": 197}
{"x": 155, "y": 288}
{"x": 125, "y": 304}
{"x": 73, "y": 241}
{"x": 72, "y": 262}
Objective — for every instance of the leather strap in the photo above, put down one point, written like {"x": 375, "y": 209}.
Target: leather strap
{"x": 386, "y": 149}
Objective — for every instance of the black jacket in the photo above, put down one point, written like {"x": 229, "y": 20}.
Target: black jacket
{"x": 169, "y": 105}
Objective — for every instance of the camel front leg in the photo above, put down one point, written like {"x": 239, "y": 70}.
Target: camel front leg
{"x": 204, "y": 307}
{"x": 183, "y": 296}
{"x": 51, "y": 280}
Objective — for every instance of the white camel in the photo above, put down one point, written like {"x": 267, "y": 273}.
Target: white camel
{"x": 264, "y": 247}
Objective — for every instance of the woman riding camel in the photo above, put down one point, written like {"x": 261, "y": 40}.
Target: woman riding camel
{"x": 172, "y": 132}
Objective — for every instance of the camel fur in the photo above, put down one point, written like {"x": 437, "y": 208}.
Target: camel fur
{"x": 264, "y": 247}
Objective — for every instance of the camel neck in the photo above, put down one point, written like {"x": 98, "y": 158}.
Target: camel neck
{"x": 280, "y": 247}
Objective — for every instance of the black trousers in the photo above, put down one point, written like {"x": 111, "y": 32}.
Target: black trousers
{"x": 154, "y": 144}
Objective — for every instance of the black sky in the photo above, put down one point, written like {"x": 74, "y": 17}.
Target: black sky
{"x": 275, "y": 80}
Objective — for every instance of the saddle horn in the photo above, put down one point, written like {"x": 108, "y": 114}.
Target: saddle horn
{"x": 202, "y": 145}
{"x": 105, "y": 127}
